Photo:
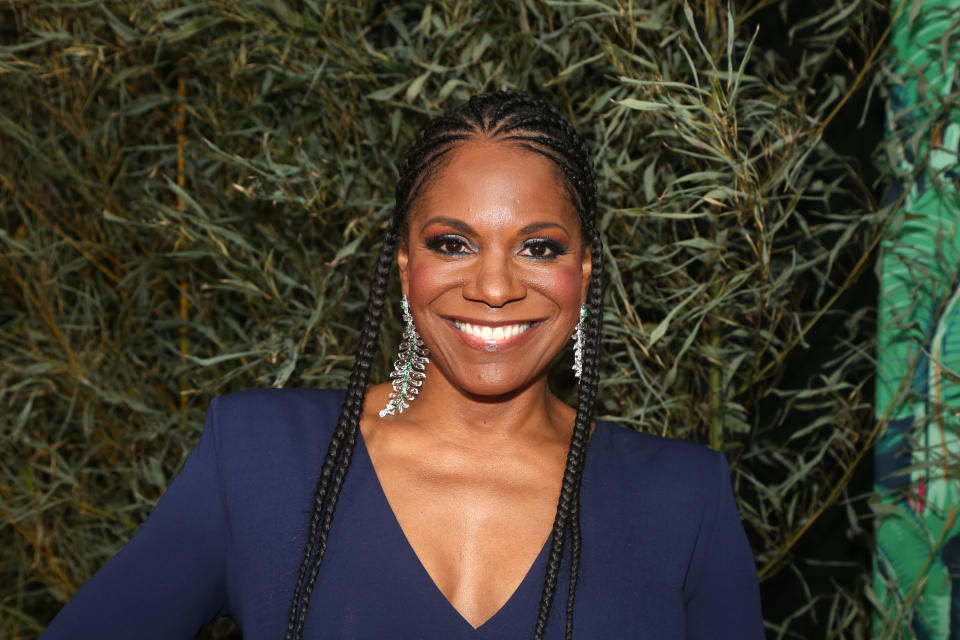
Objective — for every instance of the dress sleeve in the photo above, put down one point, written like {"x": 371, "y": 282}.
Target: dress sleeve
{"x": 170, "y": 579}
{"x": 721, "y": 594}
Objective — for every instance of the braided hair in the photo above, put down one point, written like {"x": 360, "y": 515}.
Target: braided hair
{"x": 514, "y": 118}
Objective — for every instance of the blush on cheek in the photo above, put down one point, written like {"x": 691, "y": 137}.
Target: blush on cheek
{"x": 426, "y": 281}
{"x": 565, "y": 284}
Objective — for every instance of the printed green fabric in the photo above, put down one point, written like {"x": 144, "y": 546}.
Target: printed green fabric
{"x": 916, "y": 575}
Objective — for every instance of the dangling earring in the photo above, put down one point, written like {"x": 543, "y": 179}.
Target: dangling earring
{"x": 578, "y": 343}
{"x": 408, "y": 370}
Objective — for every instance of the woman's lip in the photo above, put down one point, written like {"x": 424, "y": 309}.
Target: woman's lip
{"x": 487, "y": 323}
{"x": 493, "y": 345}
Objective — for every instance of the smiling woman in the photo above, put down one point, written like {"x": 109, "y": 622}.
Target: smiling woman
{"x": 474, "y": 495}
{"x": 493, "y": 246}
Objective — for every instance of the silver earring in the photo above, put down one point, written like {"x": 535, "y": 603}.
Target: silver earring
{"x": 408, "y": 370}
{"x": 578, "y": 343}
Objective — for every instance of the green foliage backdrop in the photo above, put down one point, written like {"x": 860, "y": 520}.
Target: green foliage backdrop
{"x": 192, "y": 192}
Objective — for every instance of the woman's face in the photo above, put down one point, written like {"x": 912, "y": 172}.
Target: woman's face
{"x": 495, "y": 267}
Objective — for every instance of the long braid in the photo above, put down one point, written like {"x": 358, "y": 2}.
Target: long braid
{"x": 589, "y": 382}
{"x": 338, "y": 457}
{"x": 343, "y": 441}
{"x": 578, "y": 171}
{"x": 353, "y": 405}
{"x": 568, "y": 507}
{"x": 530, "y": 122}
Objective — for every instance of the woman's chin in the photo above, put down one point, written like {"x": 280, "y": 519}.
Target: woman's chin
{"x": 494, "y": 388}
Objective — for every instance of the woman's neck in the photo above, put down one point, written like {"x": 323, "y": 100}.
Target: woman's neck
{"x": 530, "y": 413}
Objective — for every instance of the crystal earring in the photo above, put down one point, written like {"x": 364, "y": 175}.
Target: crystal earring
{"x": 578, "y": 343}
{"x": 408, "y": 370}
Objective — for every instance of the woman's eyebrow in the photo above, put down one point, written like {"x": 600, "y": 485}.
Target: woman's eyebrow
{"x": 540, "y": 226}
{"x": 459, "y": 225}
{"x": 463, "y": 227}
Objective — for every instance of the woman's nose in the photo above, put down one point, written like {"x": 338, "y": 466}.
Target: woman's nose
{"x": 495, "y": 281}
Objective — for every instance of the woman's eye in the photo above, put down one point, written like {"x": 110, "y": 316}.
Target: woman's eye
{"x": 449, "y": 245}
{"x": 542, "y": 249}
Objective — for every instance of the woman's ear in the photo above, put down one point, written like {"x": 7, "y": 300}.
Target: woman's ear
{"x": 586, "y": 269}
{"x": 403, "y": 257}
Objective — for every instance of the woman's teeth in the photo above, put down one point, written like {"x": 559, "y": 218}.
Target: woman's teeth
{"x": 503, "y": 332}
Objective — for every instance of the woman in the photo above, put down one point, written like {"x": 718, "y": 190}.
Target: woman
{"x": 477, "y": 504}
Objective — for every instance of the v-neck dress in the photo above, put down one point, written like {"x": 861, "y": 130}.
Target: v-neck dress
{"x": 664, "y": 554}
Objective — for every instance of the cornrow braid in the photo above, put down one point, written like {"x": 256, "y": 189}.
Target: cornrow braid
{"x": 568, "y": 509}
{"x": 513, "y": 118}
{"x": 343, "y": 441}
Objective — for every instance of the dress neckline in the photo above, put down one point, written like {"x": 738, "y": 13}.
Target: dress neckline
{"x": 536, "y": 568}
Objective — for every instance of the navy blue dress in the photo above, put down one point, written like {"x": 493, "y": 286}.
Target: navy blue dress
{"x": 664, "y": 552}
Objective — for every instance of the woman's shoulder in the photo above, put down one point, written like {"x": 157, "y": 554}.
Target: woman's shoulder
{"x": 265, "y": 423}
{"x": 640, "y": 457}
{"x": 657, "y": 487}
{"x": 251, "y": 405}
